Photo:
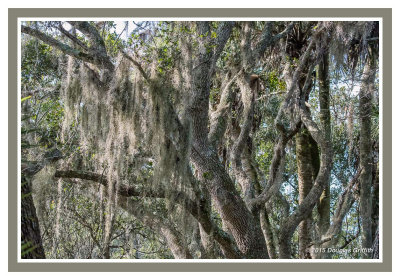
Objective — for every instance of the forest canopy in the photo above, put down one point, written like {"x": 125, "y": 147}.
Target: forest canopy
{"x": 200, "y": 140}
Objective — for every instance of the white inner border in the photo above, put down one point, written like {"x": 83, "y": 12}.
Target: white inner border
{"x": 380, "y": 260}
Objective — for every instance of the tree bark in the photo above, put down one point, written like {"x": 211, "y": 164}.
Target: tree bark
{"x": 305, "y": 208}
{"x": 375, "y": 192}
{"x": 31, "y": 240}
{"x": 325, "y": 117}
{"x": 365, "y": 107}
{"x": 307, "y": 169}
{"x": 268, "y": 234}
{"x": 231, "y": 207}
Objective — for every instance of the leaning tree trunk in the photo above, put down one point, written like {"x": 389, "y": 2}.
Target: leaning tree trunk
{"x": 31, "y": 240}
{"x": 365, "y": 99}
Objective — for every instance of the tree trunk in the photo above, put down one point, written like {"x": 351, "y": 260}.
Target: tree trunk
{"x": 240, "y": 222}
{"x": 208, "y": 244}
{"x": 365, "y": 99}
{"x": 325, "y": 117}
{"x": 237, "y": 218}
{"x": 375, "y": 194}
{"x": 31, "y": 240}
{"x": 307, "y": 166}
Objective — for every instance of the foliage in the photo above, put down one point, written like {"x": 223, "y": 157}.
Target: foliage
{"x": 128, "y": 133}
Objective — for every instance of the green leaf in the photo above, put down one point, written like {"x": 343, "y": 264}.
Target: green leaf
{"x": 27, "y": 247}
{"x": 25, "y": 195}
{"x": 26, "y": 98}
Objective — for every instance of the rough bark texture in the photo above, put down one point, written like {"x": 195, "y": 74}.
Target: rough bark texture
{"x": 268, "y": 234}
{"x": 246, "y": 182}
{"x": 307, "y": 169}
{"x": 375, "y": 193}
{"x": 305, "y": 208}
{"x": 343, "y": 205}
{"x": 307, "y": 157}
{"x": 237, "y": 218}
{"x": 325, "y": 117}
{"x": 208, "y": 244}
{"x": 365, "y": 97}
{"x": 203, "y": 164}
{"x": 31, "y": 240}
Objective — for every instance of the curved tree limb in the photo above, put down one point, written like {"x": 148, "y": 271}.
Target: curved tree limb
{"x": 286, "y": 135}
{"x": 218, "y": 120}
{"x": 267, "y": 39}
{"x": 196, "y": 209}
{"x": 73, "y": 38}
{"x": 248, "y": 100}
{"x": 173, "y": 237}
{"x": 95, "y": 55}
{"x": 137, "y": 64}
{"x": 311, "y": 199}
{"x": 57, "y": 44}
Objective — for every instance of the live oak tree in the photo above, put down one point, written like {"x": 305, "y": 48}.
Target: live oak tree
{"x": 201, "y": 139}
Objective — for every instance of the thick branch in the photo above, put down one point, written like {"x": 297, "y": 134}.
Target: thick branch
{"x": 279, "y": 150}
{"x": 197, "y": 210}
{"x": 223, "y": 33}
{"x": 91, "y": 32}
{"x": 218, "y": 120}
{"x": 137, "y": 64}
{"x": 248, "y": 100}
{"x": 344, "y": 204}
{"x": 57, "y": 44}
{"x": 267, "y": 39}
{"x": 72, "y": 37}
{"x": 272, "y": 187}
{"x": 126, "y": 191}
{"x": 173, "y": 237}
{"x": 98, "y": 48}
{"x": 308, "y": 203}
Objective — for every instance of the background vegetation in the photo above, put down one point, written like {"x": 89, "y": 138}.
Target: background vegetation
{"x": 200, "y": 140}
